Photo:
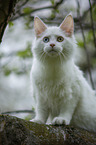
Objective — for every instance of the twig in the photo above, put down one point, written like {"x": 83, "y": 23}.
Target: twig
{"x": 18, "y": 111}
{"x": 55, "y": 6}
{"x": 87, "y": 11}
{"x": 87, "y": 54}
{"x": 92, "y": 25}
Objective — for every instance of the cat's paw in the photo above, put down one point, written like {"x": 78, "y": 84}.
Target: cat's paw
{"x": 37, "y": 121}
{"x": 60, "y": 121}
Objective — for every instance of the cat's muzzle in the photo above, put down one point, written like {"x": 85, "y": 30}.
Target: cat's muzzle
{"x": 52, "y": 52}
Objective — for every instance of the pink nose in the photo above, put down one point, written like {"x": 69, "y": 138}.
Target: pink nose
{"x": 52, "y": 45}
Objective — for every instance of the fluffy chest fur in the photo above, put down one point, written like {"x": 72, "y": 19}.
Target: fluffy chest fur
{"x": 53, "y": 84}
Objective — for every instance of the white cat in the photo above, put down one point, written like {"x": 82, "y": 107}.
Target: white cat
{"x": 61, "y": 93}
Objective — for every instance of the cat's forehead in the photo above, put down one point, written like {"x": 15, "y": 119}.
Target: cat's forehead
{"x": 53, "y": 31}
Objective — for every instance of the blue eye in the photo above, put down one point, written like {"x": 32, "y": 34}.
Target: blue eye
{"x": 45, "y": 39}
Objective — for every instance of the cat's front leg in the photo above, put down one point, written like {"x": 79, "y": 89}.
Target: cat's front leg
{"x": 66, "y": 112}
{"x": 41, "y": 113}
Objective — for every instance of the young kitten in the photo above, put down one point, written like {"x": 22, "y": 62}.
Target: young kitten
{"x": 61, "y": 93}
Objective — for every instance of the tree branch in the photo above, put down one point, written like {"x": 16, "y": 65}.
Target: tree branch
{"x": 55, "y": 6}
{"x": 92, "y": 24}
{"x": 18, "y": 111}
{"x": 87, "y": 54}
{"x": 6, "y": 8}
{"x": 15, "y": 131}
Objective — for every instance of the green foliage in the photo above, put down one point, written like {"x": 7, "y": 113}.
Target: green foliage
{"x": 81, "y": 44}
{"x": 28, "y": 117}
{"x": 25, "y": 53}
{"x": 27, "y": 10}
{"x": 94, "y": 13}
{"x": 27, "y": 25}
{"x": 90, "y": 36}
{"x": 18, "y": 71}
{"x": 93, "y": 62}
{"x": 11, "y": 24}
{"x": 56, "y": 10}
{"x": 33, "y": 109}
{"x": 7, "y": 71}
{"x": 53, "y": 2}
{"x": 89, "y": 40}
{"x": 52, "y": 15}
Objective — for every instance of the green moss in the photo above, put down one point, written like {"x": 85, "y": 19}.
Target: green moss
{"x": 18, "y": 131}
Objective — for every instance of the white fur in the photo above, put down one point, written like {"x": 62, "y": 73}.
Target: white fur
{"x": 60, "y": 91}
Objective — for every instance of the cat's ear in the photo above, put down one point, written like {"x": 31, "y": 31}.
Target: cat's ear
{"x": 39, "y": 26}
{"x": 68, "y": 25}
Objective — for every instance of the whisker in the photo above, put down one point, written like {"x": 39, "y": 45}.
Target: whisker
{"x": 66, "y": 52}
{"x": 42, "y": 55}
{"x": 63, "y": 54}
{"x": 60, "y": 58}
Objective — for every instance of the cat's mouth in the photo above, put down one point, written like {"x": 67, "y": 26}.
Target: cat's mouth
{"x": 52, "y": 52}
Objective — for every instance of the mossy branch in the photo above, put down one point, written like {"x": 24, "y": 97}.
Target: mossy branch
{"x": 15, "y": 131}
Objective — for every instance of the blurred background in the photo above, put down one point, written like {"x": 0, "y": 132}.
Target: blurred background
{"x": 15, "y": 49}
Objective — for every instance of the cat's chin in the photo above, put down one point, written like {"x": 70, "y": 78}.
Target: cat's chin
{"x": 52, "y": 54}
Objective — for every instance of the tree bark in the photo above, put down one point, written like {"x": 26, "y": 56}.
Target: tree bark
{"x": 6, "y": 9}
{"x": 15, "y": 131}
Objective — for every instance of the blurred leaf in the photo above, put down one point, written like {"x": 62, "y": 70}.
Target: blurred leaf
{"x": 10, "y": 23}
{"x": 7, "y": 72}
{"x": 33, "y": 109}
{"x": 94, "y": 13}
{"x": 53, "y": 2}
{"x": 27, "y": 25}
{"x": 89, "y": 39}
{"x": 17, "y": 71}
{"x": 27, "y": 10}
{"x": 28, "y": 117}
{"x": 93, "y": 62}
{"x": 25, "y": 53}
{"x": 81, "y": 44}
{"x": 57, "y": 11}
{"x": 53, "y": 14}
{"x": 90, "y": 35}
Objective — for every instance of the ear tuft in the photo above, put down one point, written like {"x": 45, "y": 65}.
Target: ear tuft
{"x": 68, "y": 25}
{"x": 39, "y": 26}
